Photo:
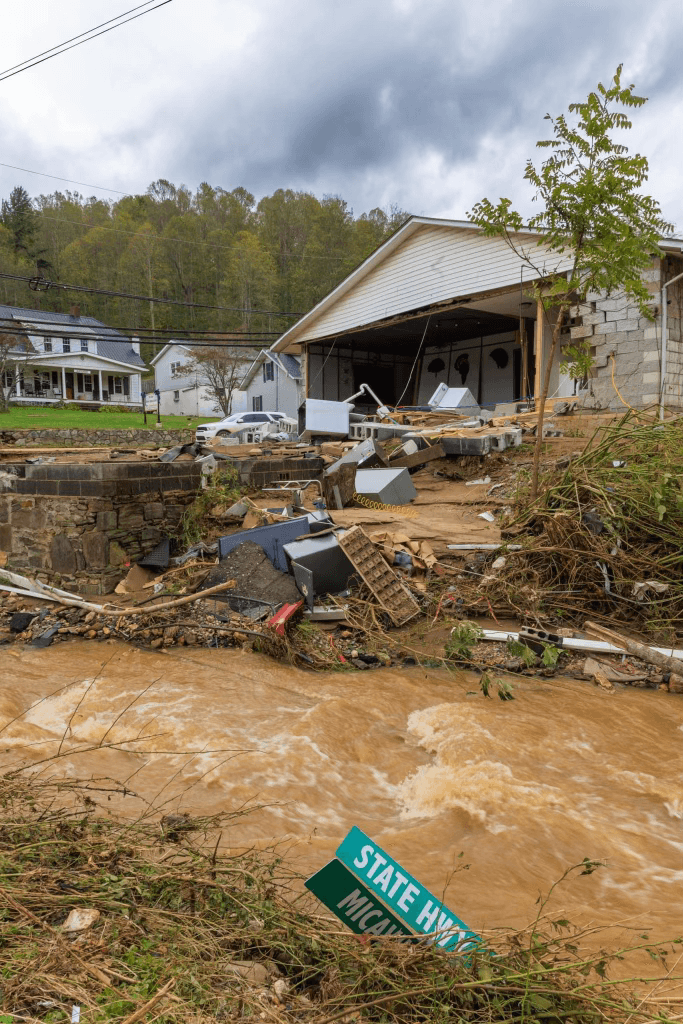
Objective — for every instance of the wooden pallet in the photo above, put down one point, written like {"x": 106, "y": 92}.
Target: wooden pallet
{"x": 378, "y": 576}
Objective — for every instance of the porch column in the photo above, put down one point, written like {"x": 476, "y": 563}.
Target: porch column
{"x": 63, "y": 385}
{"x": 538, "y": 352}
{"x": 99, "y": 374}
{"x": 17, "y": 382}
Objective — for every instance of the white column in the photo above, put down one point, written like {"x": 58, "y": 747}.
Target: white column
{"x": 17, "y": 380}
{"x": 99, "y": 374}
{"x": 63, "y": 385}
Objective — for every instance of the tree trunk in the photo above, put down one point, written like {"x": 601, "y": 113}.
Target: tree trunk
{"x": 544, "y": 394}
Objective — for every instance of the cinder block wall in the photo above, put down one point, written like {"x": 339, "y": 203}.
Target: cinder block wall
{"x": 627, "y": 346}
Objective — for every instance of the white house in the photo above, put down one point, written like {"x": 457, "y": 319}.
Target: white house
{"x": 439, "y": 302}
{"x": 274, "y": 383}
{"x": 68, "y": 357}
{"x": 183, "y": 391}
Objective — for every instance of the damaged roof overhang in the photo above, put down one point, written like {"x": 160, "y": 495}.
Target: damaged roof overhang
{"x": 440, "y": 324}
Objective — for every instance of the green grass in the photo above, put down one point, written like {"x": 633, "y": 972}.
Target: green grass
{"x": 34, "y": 418}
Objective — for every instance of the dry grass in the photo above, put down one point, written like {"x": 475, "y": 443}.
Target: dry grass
{"x": 186, "y": 934}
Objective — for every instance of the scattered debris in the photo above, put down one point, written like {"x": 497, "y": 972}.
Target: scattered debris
{"x": 387, "y": 589}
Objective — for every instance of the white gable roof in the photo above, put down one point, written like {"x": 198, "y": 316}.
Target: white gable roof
{"x": 171, "y": 345}
{"x": 426, "y": 261}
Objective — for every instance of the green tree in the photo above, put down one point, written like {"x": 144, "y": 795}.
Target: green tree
{"x": 591, "y": 213}
{"x": 20, "y": 217}
{"x": 251, "y": 282}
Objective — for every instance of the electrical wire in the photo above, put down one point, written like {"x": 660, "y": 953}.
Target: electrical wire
{"x": 46, "y": 285}
{"x": 56, "y": 177}
{"x": 417, "y": 356}
{"x": 161, "y": 338}
{"x": 62, "y": 47}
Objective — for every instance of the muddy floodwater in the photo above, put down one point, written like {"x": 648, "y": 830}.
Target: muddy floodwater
{"x": 522, "y": 789}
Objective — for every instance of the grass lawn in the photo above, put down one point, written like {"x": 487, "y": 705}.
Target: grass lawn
{"x": 33, "y": 418}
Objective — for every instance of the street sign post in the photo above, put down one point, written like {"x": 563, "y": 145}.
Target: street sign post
{"x": 403, "y": 895}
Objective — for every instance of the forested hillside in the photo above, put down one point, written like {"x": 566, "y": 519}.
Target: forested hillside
{"x": 214, "y": 247}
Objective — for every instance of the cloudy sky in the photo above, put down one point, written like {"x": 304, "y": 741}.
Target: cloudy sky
{"x": 429, "y": 104}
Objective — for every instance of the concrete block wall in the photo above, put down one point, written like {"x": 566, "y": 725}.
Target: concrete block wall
{"x": 626, "y": 346}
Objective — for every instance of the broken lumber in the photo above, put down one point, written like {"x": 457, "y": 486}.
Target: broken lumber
{"x": 435, "y": 451}
{"x": 638, "y": 650}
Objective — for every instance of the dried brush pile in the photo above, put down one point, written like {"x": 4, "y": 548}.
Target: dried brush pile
{"x": 180, "y": 933}
{"x": 604, "y": 539}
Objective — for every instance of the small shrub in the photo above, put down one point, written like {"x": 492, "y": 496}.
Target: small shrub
{"x": 460, "y": 644}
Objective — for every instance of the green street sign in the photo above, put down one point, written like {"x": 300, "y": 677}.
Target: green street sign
{"x": 389, "y": 883}
{"x": 353, "y": 903}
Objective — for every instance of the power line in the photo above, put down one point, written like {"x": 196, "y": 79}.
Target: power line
{"x": 60, "y": 48}
{"x": 41, "y": 284}
{"x": 161, "y": 338}
{"x": 51, "y": 326}
{"x": 56, "y": 177}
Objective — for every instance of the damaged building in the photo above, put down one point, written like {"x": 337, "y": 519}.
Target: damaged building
{"x": 440, "y": 303}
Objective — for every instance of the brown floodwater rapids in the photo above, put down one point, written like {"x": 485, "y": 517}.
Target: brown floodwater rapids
{"x": 417, "y": 758}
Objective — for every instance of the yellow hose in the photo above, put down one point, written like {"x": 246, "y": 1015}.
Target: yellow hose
{"x": 407, "y": 511}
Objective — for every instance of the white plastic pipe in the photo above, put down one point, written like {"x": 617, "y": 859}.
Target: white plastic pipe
{"x": 665, "y": 330}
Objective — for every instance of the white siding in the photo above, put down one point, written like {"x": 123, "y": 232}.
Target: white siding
{"x": 282, "y": 394}
{"x": 434, "y": 264}
{"x": 191, "y": 402}
{"x": 163, "y": 379}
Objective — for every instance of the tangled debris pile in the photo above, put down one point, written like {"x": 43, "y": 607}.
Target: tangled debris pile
{"x": 133, "y": 920}
{"x": 602, "y": 541}
{"x": 377, "y": 555}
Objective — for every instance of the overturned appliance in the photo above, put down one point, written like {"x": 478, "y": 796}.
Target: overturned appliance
{"x": 387, "y": 486}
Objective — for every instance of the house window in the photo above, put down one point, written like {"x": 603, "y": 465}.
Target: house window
{"x": 66, "y": 345}
{"x": 8, "y": 379}
{"x": 47, "y": 345}
{"x": 175, "y": 368}
{"x": 118, "y": 386}
{"x": 268, "y": 371}
{"x": 84, "y": 345}
{"x": 87, "y": 382}
{"x": 176, "y": 396}
{"x": 257, "y": 404}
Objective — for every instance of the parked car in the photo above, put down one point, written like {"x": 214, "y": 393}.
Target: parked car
{"x": 233, "y": 424}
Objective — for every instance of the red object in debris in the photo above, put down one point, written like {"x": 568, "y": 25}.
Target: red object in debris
{"x": 283, "y": 616}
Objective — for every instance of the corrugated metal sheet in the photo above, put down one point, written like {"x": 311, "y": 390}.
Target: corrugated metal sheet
{"x": 435, "y": 263}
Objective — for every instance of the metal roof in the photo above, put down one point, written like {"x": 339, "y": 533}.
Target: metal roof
{"x": 111, "y": 344}
{"x": 289, "y": 364}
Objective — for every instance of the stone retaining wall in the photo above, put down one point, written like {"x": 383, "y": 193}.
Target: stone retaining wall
{"x": 77, "y": 438}
{"x": 94, "y": 518}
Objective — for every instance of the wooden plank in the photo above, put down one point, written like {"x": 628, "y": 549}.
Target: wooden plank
{"x": 435, "y": 451}
{"x": 538, "y": 350}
